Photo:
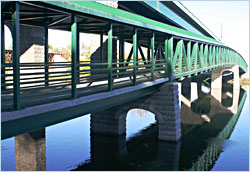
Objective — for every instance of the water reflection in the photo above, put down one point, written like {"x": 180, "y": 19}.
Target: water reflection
{"x": 30, "y": 151}
{"x": 206, "y": 123}
{"x": 143, "y": 152}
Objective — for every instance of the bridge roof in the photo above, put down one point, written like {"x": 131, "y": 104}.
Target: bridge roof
{"x": 121, "y": 16}
{"x": 173, "y": 13}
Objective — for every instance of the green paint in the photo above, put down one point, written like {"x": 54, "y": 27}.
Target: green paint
{"x": 188, "y": 57}
{"x": 117, "y": 15}
{"x": 110, "y": 48}
{"x": 166, "y": 58}
{"x": 170, "y": 56}
{"x": 180, "y": 57}
{"x": 46, "y": 55}
{"x": 135, "y": 49}
{"x": 153, "y": 56}
{"x": 100, "y": 10}
{"x": 73, "y": 56}
{"x": 16, "y": 55}
{"x": 2, "y": 55}
{"x": 201, "y": 56}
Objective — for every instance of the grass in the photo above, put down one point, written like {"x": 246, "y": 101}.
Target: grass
{"x": 243, "y": 81}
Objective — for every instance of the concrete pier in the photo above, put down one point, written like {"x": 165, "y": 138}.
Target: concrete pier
{"x": 216, "y": 81}
{"x": 163, "y": 104}
{"x": 30, "y": 154}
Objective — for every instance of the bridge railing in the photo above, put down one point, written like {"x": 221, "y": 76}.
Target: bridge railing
{"x": 175, "y": 59}
{"x": 168, "y": 56}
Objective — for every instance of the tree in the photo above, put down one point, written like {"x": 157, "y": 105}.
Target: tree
{"x": 9, "y": 47}
{"x": 50, "y": 47}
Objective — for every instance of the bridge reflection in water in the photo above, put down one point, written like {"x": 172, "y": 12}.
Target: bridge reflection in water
{"x": 206, "y": 123}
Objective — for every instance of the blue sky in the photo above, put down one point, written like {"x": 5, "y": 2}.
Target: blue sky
{"x": 234, "y": 16}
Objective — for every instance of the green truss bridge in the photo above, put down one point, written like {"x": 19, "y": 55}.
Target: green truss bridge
{"x": 52, "y": 92}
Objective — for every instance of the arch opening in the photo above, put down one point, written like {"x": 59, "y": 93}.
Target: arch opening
{"x": 138, "y": 120}
{"x": 8, "y": 44}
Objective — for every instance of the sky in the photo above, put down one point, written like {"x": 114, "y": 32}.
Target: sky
{"x": 234, "y": 16}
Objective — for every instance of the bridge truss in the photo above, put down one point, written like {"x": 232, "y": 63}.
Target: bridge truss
{"x": 172, "y": 53}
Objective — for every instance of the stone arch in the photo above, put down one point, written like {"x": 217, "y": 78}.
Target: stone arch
{"x": 9, "y": 26}
{"x": 163, "y": 104}
{"x": 122, "y": 113}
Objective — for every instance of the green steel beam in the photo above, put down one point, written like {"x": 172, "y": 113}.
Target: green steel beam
{"x": 101, "y": 52}
{"x": 73, "y": 56}
{"x": 100, "y": 10}
{"x": 201, "y": 56}
{"x": 2, "y": 54}
{"x": 46, "y": 55}
{"x": 188, "y": 61}
{"x": 180, "y": 57}
{"x": 110, "y": 49}
{"x": 135, "y": 50}
{"x": 23, "y": 125}
{"x": 101, "y": 48}
{"x": 166, "y": 58}
{"x": 119, "y": 16}
{"x": 141, "y": 52}
{"x": 148, "y": 51}
{"x": 16, "y": 54}
{"x": 78, "y": 55}
{"x": 170, "y": 56}
{"x": 121, "y": 52}
{"x": 153, "y": 56}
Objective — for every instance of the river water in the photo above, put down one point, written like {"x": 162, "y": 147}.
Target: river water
{"x": 217, "y": 141}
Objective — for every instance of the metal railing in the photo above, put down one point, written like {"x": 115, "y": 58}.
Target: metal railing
{"x": 27, "y": 84}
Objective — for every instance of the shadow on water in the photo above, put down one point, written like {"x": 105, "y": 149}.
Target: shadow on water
{"x": 199, "y": 148}
{"x": 205, "y": 125}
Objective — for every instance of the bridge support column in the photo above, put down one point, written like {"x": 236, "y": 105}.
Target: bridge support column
{"x": 164, "y": 104}
{"x": 168, "y": 155}
{"x": 216, "y": 84}
{"x": 186, "y": 88}
{"x": 30, "y": 151}
{"x": 107, "y": 122}
{"x": 236, "y": 89}
{"x": 216, "y": 88}
{"x": 106, "y": 151}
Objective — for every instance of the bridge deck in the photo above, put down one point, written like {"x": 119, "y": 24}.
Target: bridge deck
{"x": 48, "y": 94}
{"x": 172, "y": 52}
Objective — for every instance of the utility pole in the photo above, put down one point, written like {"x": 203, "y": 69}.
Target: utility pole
{"x": 221, "y": 32}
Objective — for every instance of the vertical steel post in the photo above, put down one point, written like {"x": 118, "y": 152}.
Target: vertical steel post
{"x": 73, "y": 55}
{"x": 78, "y": 56}
{"x": 189, "y": 63}
{"x": 170, "y": 54}
{"x": 110, "y": 48}
{"x": 148, "y": 52}
{"x": 135, "y": 49}
{"x": 121, "y": 53}
{"x": 166, "y": 58}
{"x": 101, "y": 49}
{"x": 195, "y": 56}
{"x": 153, "y": 56}
{"x": 201, "y": 58}
{"x": 16, "y": 55}
{"x": 180, "y": 57}
{"x": 46, "y": 56}
{"x": 2, "y": 54}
